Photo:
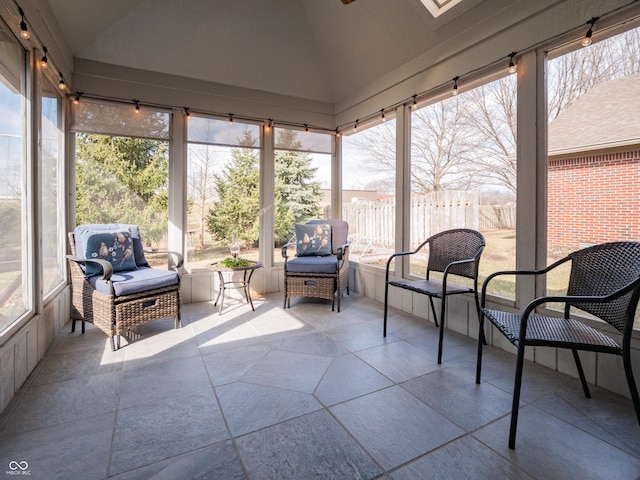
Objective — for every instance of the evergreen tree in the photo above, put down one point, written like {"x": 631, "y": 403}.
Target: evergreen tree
{"x": 238, "y": 190}
{"x": 297, "y": 195}
{"x": 122, "y": 179}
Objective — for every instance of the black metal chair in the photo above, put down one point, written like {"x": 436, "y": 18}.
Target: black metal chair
{"x": 605, "y": 282}
{"x": 452, "y": 252}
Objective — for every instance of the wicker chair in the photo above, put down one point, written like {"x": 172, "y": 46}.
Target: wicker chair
{"x": 604, "y": 282}
{"x": 118, "y": 301}
{"x": 319, "y": 276}
{"x": 452, "y": 252}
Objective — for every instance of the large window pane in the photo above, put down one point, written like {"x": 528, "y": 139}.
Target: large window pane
{"x": 302, "y": 183}
{"x": 14, "y": 293}
{"x": 594, "y": 147}
{"x": 51, "y": 187}
{"x": 121, "y": 178}
{"x": 463, "y": 173}
{"x": 368, "y": 192}
{"x": 223, "y": 189}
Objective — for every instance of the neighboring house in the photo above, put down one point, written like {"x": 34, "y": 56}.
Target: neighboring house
{"x": 594, "y": 167}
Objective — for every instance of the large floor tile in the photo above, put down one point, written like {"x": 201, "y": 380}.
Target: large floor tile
{"x": 358, "y": 335}
{"x": 60, "y": 367}
{"x": 61, "y": 402}
{"x": 293, "y": 371}
{"x": 248, "y": 407}
{"x": 213, "y": 336}
{"x": 157, "y": 381}
{"x": 279, "y": 324}
{"x": 159, "y": 342}
{"x": 394, "y": 426}
{"x": 457, "y": 349}
{"x": 349, "y": 377}
{"x": 605, "y": 415}
{"x": 217, "y": 461}
{"x": 230, "y": 365}
{"x": 499, "y": 369}
{"x": 547, "y": 447}
{"x": 310, "y": 447}
{"x": 399, "y": 360}
{"x": 314, "y": 343}
{"x": 156, "y": 431}
{"x": 465, "y": 458}
{"x": 77, "y": 449}
{"x": 453, "y": 392}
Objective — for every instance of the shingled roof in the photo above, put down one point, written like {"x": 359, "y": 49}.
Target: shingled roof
{"x": 607, "y": 116}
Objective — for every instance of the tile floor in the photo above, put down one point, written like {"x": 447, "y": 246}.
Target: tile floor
{"x": 304, "y": 393}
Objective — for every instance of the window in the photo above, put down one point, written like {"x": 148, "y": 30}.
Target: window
{"x": 223, "y": 189}
{"x": 463, "y": 173}
{"x": 122, "y": 162}
{"x": 14, "y": 291}
{"x": 51, "y": 184}
{"x": 302, "y": 181}
{"x": 593, "y": 173}
{"x": 369, "y": 192}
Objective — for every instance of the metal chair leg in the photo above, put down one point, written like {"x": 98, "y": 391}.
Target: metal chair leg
{"x": 481, "y": 342}
{"x": 626, "y": 360}
{"x": 433, "y": 310}
{"x": 515, "y": 407}
{"x": 441, "y": 338}
{"x": 583, "y": 380}
{"x": 386, "y": 299}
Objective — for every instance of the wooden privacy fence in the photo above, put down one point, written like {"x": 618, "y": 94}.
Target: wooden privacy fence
{"x": 428, "y": 214}
{"x": 497, "y": 217}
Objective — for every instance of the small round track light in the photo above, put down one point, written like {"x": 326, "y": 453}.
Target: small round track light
{"x": 61, "y": 84}
{"x": 513, "y": 68}
{"x": 231, "y": 118}
{"x": 137, "y": 106}
{"x": 24, "y": 31}
{"x": 306, "y": 127}
{"x": 455, "y": 85}
{"x": 586, "y": 41}
{"x": 44, "y": 61}
{"x": 185, "y": 110}
{"x": 76, "y": 100}
{"x": 414, "y": 104}
{"x": 355, "y": 125}
{"x": 382, "y": 115}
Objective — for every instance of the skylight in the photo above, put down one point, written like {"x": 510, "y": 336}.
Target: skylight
{"x": 438, "y": 7}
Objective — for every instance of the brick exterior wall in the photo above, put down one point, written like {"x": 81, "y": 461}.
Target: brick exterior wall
{"x": 593, "y": 199}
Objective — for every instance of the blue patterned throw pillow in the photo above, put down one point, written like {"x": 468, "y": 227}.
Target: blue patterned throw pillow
{"x": 313, "y": 239}
{"x": 115, "y": 247}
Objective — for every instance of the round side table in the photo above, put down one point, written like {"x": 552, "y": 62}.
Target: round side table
{"x": 241, "y": 283}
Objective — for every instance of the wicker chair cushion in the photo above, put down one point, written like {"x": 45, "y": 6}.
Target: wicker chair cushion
{"x": 311, "y": 264}
{"x": 339, "y": 232}
{"x": 313, "y": 239}
{"x": 138, "y": 250}
{"x": 135, "y": 281}
{"x": 114, "y": 247}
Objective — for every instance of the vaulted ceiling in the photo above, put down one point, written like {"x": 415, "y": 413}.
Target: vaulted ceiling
{"x": 314, "y": 49}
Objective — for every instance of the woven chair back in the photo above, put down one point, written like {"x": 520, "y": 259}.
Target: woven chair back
{"x": 453, "y": 245}
{"x": 603, "y": 270}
